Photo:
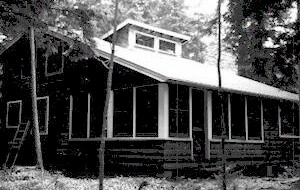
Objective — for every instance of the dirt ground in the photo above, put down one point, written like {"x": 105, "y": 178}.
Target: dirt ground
{"x": 29, "y": 178}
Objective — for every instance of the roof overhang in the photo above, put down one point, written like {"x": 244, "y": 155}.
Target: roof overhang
{"x": 181, "y": 37}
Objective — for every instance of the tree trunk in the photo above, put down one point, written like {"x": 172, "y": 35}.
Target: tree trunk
{"x": 220, "y": 93}
{"x": 34, "y": 103}
{"x": 298, "y": 52}
{"x": 107, "y": 98}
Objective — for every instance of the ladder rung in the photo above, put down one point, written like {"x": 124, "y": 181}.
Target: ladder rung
{"x": 15, "y": 146}
{"x": 21, "y": 131}
{"x": 18, "y": 139}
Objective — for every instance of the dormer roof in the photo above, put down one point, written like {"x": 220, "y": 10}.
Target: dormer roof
{"x": 180, "y": 37}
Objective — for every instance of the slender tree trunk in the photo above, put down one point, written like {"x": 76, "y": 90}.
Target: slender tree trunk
{"x": 107, "y": 98}
{"x": 34, "y": 102}
{"x": 220, "y": 93}
{"x": 298, "y": 51}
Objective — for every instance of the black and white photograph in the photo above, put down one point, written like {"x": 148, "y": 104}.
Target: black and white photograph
{"x": 149, "y": 94}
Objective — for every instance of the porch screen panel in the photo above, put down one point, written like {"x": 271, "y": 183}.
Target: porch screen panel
{"x": 123, "y": 113}
{"x": 179, "y": 111}
{"x": 96, "y": 105}
{"x": 238, "y": 130}
{"x": 217, "y": 114}
{"x": 147, "y": 111}
{"x": 289, "y": 116}
{"x": 79, "y": 115}
{"x": 254, "y": 118}
{"x": 198, "y": 110}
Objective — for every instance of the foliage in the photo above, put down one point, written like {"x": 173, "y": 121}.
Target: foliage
{"x": 30, "y": 178}
{"x": 167, "y": 14}
{"x": 73, "y": 20}
{"x": 253, "y": 24}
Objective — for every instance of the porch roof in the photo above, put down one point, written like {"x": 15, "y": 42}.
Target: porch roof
{"x": 168, "y": 68}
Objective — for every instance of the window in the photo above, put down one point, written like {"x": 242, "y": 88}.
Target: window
{"x": 289, "y": 119}
{"x": 144, "y": 40}
{"x": 123, "y": 113}
{"x": 13, "y": 113}
{"x": 79, "y": 115}
{"x": 217, "y": 114}
{"x": 43, "y": 114}
{"x": 54, "y": 59}
{"x": 167, "y": 46}
{"x": 238, "y": 125}
{"x": 243, "y": 117}
{"x": 147, "y": 111}
{"x": 179, "y": 111}
{"x": 254, "y": 115}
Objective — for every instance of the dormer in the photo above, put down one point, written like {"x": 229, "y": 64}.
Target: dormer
{"x": 136, "y": 35}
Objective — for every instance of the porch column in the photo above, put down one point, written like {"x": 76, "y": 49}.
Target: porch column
{"x": 110, "y": 115}
{"x": 208, "y": 122}
{"x": 163, "y": 110}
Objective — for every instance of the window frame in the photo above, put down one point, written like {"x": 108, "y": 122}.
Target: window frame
{"x": 230, "y": 139}
{"x": 60, "y": 70}
{"x": 47, "y": 113}
{"x": 189, "y": 110}
{"x": 87, "y": 119}
{"x": 155, "y": 44}
{"x": 142, "y": 46}
{"x": 20, "y": 113}
{"x": 280, "y": 125}
{"x": 163, "y": 51}
{"x": 134, "y": 136}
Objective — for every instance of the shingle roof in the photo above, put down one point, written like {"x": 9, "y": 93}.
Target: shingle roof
{"x": 167, "y": 68}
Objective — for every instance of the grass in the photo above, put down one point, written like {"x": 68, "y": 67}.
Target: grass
{"x": 29, "y": 178}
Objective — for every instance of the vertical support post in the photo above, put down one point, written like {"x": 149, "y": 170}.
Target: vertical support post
{"x": 163, "y": 110}
{"x": 34, "y": 102}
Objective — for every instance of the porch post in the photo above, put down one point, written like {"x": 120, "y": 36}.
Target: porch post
{"x": 163, "y": 110}
{"x": 208, "y": 122}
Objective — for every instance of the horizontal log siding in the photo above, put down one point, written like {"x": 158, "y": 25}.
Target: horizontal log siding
{"x": 274, "y": 150}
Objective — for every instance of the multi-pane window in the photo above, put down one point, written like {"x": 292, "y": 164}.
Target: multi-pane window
{"x": 167, "y": 46}
{"x": 136, "y": 112}
{"x": 254, "y": 115}
{"x": 147, "y": 111}
{"x": 217, "y": 102}
{"x": 242, "y": 116}
{"x": 289, "y": 119}
{"x": 179, "y": 111}
{"x": 86, "y": 115}
{"x": 144, "y": 40}
{"x": 43, "y": 114}
{"x": 238, "y": 124}
{"x": 123, "y": 113}
{"x": 13, "y": 113}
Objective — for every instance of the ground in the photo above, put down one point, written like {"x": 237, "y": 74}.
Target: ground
{"x": 29, "y": 178}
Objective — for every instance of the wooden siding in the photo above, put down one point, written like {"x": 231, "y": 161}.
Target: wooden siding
{"x": 274, "y": 149}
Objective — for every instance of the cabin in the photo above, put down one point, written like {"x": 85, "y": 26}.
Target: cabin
{"x": 164, "y": 112}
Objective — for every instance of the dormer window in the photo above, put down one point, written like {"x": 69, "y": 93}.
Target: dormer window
{"x": 154, "y": 43}
{"x": 144, "y": 40}
{"x": 167, "y": 46}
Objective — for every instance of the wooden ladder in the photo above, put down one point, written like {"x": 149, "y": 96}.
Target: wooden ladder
{"x": 16, "y": 144}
